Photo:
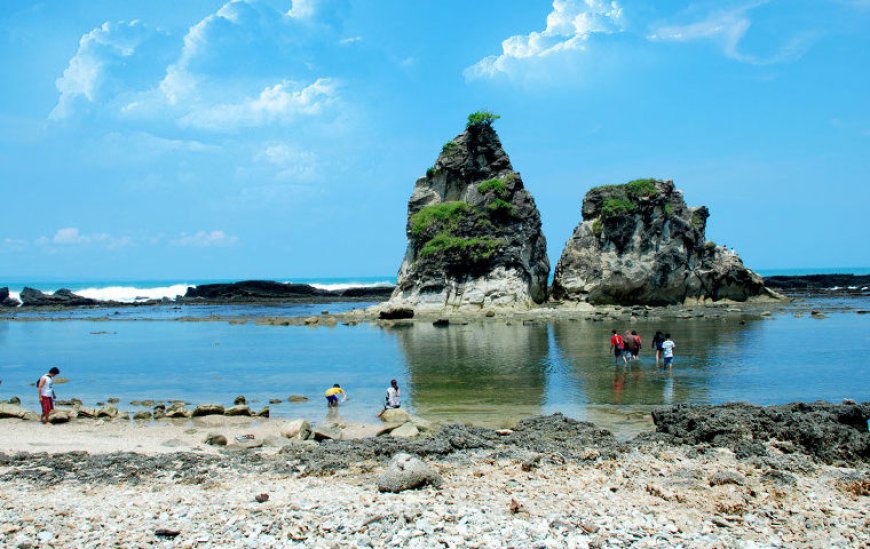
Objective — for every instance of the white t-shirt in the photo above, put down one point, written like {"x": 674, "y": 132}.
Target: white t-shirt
{"x": 668, "y": 348}
{"x": 47, "y": 388}
{"x": 392, "y": 397}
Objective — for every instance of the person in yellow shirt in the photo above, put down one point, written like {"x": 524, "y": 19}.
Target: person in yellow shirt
{"x": 332, "y": 395}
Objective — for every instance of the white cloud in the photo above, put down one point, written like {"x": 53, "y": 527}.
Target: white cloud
{"x": 103, "y": 51}
{"x": 290, "y": 163}
{"x": 569, "y": 27}
{"x": 350, "y": 40}
{"x": 246, "y": 65}
{"x": 71, "y": 236}
{"x": 281, "y": 103}
{"x": 13, "y": 245}
{"x": 202, "y": 239}
{"x": 302, "y": 9}
{"x": 727, "y": 29}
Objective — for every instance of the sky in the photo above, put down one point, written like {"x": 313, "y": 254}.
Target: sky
{"x": 155, "y": 139}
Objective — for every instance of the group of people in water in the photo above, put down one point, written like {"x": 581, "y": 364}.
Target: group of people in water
{"x": 627, "y": 347}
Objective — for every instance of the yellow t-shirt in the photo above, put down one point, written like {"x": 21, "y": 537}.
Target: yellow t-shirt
{"x": 334, "y": 391}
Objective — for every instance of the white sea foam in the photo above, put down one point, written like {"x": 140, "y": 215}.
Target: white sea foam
{"x": 132, "y": 294}
{"x": 15, "y": 295}
{"x": 347, "y": 285}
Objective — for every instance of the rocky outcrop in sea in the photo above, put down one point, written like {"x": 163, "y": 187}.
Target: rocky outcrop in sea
{"x": 639, "y": 243}
{"x": 474, "y": 231}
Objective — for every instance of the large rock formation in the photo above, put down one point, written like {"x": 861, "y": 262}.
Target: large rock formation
{"x": 639, "y": 243}
{"x": 474, "y": 232}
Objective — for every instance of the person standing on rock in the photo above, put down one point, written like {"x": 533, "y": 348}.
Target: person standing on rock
{"x": 45, "y": 390}
{"x": 332, "y": 395}
{"x": 658, "y": 339}
{"x": 393, "y": 397}
{"x": 618, "y": 345}
{"x": 668, "y": 350}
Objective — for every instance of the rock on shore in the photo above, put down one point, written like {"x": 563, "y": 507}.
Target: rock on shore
{"x": 474, "y": 232}
{"x": 639, "y": 243}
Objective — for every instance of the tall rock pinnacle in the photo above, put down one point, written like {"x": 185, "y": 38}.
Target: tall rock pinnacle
{"x": 474, "y": 232}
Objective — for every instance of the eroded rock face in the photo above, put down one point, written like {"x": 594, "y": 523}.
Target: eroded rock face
{"x": 474, "y": 232}
{"x": 640, "y": 243}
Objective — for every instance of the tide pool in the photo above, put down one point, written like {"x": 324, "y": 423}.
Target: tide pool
{"x": 488, "y": 372}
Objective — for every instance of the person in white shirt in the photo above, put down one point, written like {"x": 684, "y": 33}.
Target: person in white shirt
{"x": 393, "y": 397}
{"x": 45, "y": 390}
{"x": 668, "y": 350}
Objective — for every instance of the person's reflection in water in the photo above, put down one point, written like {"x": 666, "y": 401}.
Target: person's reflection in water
{"x": 618, "y": 386}
{"x": 668, "y": 388}
{"x": 333, "y": 415}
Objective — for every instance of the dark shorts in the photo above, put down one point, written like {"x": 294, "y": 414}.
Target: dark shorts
{"x": 658, "y": 347}
{"x": 668, "y": 360}
{"x": 617, "y": 352}
{"x": 47, "y": 404}
{"x": 332, "y": 399}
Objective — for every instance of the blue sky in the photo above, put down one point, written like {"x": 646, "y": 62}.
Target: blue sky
{"x": 270, "y": 138}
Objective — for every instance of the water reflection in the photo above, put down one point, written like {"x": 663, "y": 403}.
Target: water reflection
{"x": 489, "y": 371}
{"x": 585, "y": 348}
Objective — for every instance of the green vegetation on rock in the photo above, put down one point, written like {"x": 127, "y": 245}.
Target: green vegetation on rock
{"x": 501, "y": 208}
{"x": 615, "y": 206}
{"x": 430, "y": 171}
{"x": 449, "y": 148}
{"x": 447, "y": 214}
{"x": 640, "y": 188}
{"x": 481, "y": 118}
{"x": 477, "y": 249}
{"x": 597, "y": 227}
{"x": 495, "y": 185}
{"x": 697, "y": 220}
{"x": 669, "y": 209}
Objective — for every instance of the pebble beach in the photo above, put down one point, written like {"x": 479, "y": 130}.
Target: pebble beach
{"x": 550, "y": 482}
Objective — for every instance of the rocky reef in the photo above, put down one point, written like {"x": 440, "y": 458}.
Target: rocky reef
{"x": 267, "y": 291}
{"x": 6, "y": 300}
{"x": 639, "y": 243}
{"x": 474, "y": 232}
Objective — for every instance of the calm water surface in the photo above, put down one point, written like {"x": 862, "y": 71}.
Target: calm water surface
{"x": 488, "y": 373}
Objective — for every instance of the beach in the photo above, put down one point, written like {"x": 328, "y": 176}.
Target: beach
{"x": 549, "y": 482}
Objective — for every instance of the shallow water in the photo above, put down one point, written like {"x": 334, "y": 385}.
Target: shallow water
{"x": 487, "y": 373}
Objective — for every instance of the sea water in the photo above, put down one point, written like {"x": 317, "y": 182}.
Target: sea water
{"x": 486, "y": 372}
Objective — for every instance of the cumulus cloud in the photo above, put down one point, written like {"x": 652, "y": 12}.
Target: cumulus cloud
{"x": 102, "y": 60}
{"x": 727, "y": 29}
{"x": 203, "y": 239}
{"x": 569, "y": 27}
{"x": 281, "y": 103}
{"x": 246, "y": 65}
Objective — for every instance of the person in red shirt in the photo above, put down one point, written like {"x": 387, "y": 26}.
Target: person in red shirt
{"x": 618, "y": 345}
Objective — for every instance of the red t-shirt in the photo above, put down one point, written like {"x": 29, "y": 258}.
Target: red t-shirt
{"x": 616, "y": 340}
